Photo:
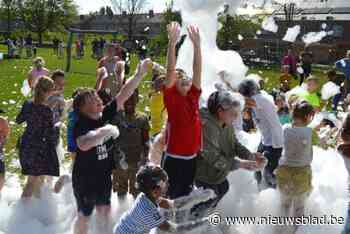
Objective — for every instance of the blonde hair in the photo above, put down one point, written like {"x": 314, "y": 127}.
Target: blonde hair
{"x": 44, "y": 85}
{"x": 38, "y": 60}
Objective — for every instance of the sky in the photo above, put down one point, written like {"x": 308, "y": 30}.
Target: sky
{"x": 86, "y": 6}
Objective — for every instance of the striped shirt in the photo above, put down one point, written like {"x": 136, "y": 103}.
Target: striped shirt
{"x": 141, "y": 218}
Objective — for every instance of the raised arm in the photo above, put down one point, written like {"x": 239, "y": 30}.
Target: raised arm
{"x": 194, "y": 35}
{"x": 120, "y": 72}
{"x": 96, "y": 137}
{"x": 128, "y": 89}
{"x": 174, "y": 35}
{"x": 100, "y": 76}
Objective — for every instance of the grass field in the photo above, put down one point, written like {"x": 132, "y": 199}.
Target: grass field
{"x": 13, "y": 72}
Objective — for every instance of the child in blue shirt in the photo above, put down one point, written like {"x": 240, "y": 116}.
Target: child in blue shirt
{"x": 152, "y": 182}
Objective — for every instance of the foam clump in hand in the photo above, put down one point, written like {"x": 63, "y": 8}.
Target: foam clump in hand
{"x": 196, "y": 197}
{"x": 329, "y": 90}
{"x": 25, "y": 90}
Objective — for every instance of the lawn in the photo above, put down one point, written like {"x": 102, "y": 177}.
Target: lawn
{"x": 13, "y": 72}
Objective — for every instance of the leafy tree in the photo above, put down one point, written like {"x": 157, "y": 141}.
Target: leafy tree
{"x": 102, "y": 11}
{"x": 233, "y": 26}
{"x": 160, "y": 42}
{"x": 41, "y": 16}
{"x": 8, "y": 13}
{"x": 109, "y": 12}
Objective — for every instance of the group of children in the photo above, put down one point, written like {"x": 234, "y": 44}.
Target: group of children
{"x": 116, "y": 148}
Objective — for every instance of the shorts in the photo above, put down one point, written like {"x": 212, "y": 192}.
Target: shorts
{"x": 90, "y": 192}
{"x": 294, "y": 181}
{"x": 181, "y": 173}
{"x": 2, "y": 167}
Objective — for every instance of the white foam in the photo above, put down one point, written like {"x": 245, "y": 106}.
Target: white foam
{"x": 270, "y": 25}
{"x": 329, "y": 89}
{"x": 292, "y": 34}
{"x": 313, "y": 37}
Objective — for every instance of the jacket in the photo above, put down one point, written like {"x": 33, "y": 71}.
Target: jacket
{"x": 220, "y": 148}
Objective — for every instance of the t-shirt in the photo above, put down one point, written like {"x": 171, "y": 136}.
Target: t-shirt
{"x": 300, "y": 156}
{"x": 97, "y": 161}
{"x": 312, "y": 98}
{"x": 184, "y": 125}
{"x": 141, "y": 218}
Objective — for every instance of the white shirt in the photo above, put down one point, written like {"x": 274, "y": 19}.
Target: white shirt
{"x": 267, "y": 121}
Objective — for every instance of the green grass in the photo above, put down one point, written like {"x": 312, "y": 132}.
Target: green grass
{"x": 13, "y": 72}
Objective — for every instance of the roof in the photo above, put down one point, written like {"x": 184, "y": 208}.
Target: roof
{"x": 316, "y": 11}
{"x": 341, "y": 10}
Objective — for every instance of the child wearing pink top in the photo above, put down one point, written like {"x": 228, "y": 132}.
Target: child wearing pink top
{"x": 37, "y": 71}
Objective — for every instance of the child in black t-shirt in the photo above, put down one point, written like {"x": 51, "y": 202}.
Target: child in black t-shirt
{"x": 93, "y": 165}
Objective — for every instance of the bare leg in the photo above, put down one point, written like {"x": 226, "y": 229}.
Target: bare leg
{"x": 30, "y": 187}
{"x": 37, "y": 187}
{"x": 299, "y": 207}
{"x": 2, "y": 182}
{"x": 286, "y": 205}
{"x": 81, "y": 224}
{"x": 104, "y": 224}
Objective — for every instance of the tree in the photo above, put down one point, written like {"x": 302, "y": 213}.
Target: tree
{"x": 131, "y": 10}
{"x": 160, "y": 42}
{"x": 109, "y": 12}
{"x": 102, "y": 11}
{"x": 40, "y": 16}
{"x": 233, "y": 26}
{"x": 8, "y": 12}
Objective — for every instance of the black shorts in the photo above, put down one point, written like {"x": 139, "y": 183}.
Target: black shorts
{"x": 90, "y": 192}
{"x": 2, "y": 167}
{"x": 181, "y": 175}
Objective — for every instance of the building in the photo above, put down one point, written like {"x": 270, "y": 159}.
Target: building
{"x": 271, "y": 47}
{"x": 147, "y": 25}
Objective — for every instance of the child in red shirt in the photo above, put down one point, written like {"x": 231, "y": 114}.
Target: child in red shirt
{"x": 181, "y": 99}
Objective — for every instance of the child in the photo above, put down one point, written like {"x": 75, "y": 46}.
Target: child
{"x": 93, "y": 164}
{"x": 37, "y": 148}
{"x": 338, "y": 80}
{"x": 285, "y": 79}
{"x": 311, "y": 95}
{"x": 294, "y": 173}
{"x": 248, "y": 122}
{"x": 110, "y": 72}
{"x": 267, "y": 121}
{"x": 37, "y": 71}
{"x": 158, "y": 113}
{"x": 4, "y": 132}
{"x": 110, "y": 78}
{"x": 344, "y": 150}
{"x": 56, "y": 101}
{"x": 71, "y": 145}
{"x": 181, "y": 99}
{"x": 152, "y": 182}
{"x": 133, "y": 141}
{"x": 282, "y": 109}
